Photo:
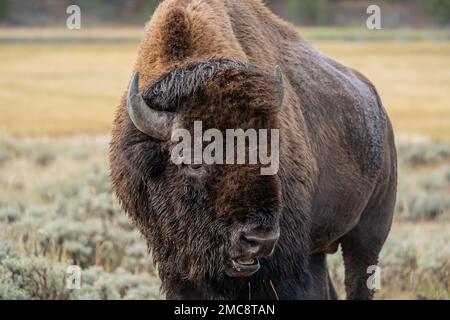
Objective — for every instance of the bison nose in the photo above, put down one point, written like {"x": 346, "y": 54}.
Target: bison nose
{"x": 259, "y": 244}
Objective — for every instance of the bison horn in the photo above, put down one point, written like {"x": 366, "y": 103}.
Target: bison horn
{"x": 279, "y": 84}
{"x": 157, "y": 124}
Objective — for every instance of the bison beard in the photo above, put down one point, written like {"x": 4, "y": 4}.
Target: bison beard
{"x": 213, "y": 61}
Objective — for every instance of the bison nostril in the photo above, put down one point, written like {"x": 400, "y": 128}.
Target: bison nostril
{"x": 260, "y": 244}
{"x": 259, "y": 239}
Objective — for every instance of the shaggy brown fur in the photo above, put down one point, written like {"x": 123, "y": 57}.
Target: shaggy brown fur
{"x": 213, "y": 60}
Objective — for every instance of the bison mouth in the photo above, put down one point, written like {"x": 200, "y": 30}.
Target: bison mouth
{"x": 242, "y": 267}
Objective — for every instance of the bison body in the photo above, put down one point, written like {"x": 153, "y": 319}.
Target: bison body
{"x": 213, "y": 61}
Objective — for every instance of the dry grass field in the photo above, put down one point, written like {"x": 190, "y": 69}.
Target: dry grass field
{"x": 413, "y": 80}
{"x": 70, "y": 88}
{"x": 59, "y": 89}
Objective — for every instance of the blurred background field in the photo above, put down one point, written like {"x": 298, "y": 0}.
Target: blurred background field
{"x": 58, "y": 93}
{"x": 65, "y": 89}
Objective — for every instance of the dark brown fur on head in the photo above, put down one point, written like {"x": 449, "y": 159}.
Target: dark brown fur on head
{"x": 189, "y": 219}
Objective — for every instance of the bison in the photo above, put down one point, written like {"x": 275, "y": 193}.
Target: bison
{"x": 227, "y": 231}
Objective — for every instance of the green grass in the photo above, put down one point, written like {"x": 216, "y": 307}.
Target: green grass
{"x": 346, "y": 34}
{"x": 362, "y": 34}
{"x": 57, "y": 209}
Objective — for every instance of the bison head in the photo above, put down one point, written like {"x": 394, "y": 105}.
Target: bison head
{"x": 205, "y": 224}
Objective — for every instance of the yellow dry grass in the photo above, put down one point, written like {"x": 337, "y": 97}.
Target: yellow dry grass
{"x": 60, "y": 89}
{"x": 65, "y": 89}
{"x": 413, "y": 80}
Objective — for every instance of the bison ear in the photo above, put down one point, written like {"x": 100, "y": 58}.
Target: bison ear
{"x": 279, "y": 85}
